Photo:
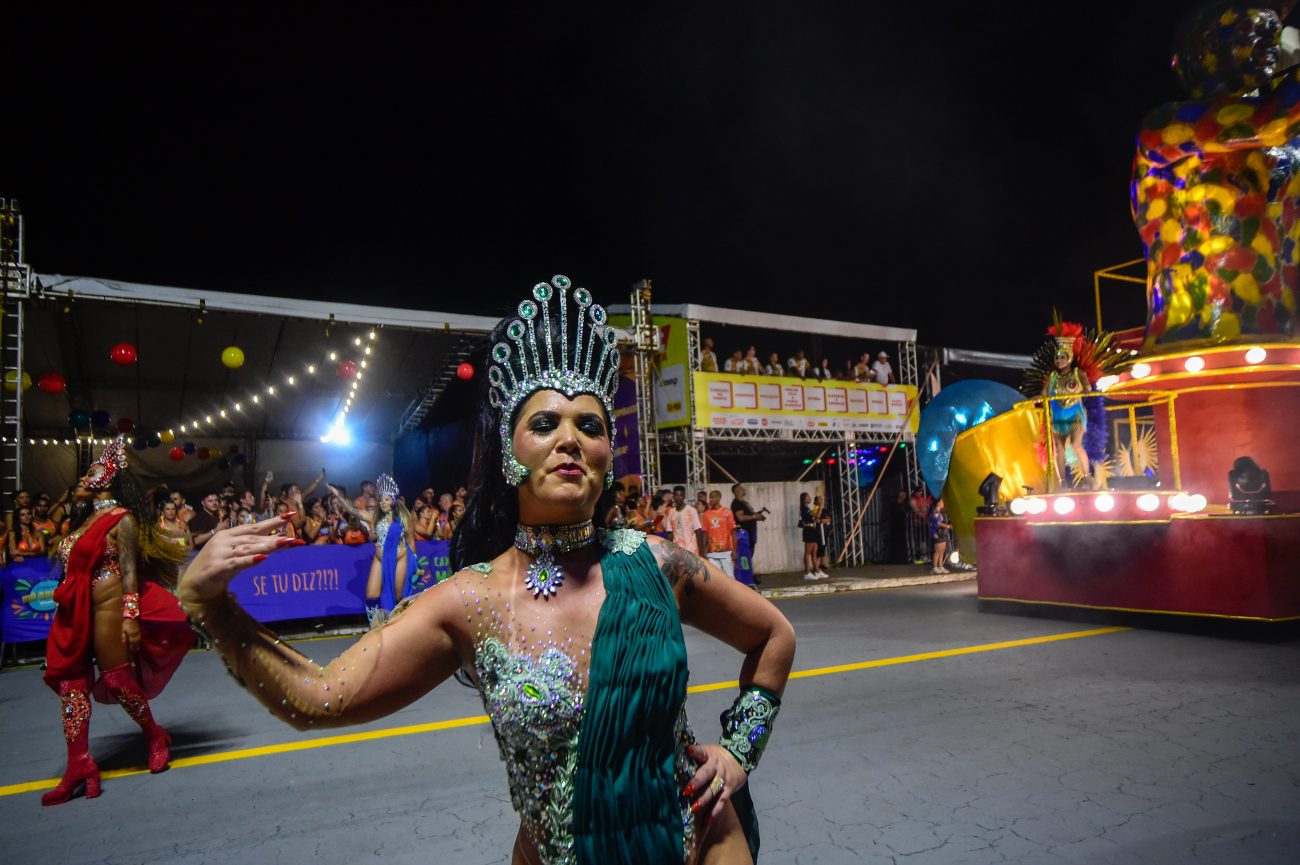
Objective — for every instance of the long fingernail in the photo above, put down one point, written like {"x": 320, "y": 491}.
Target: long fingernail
{"x": 695, "y": 806}
{"x": 288, "y": 514}
{"x": 689, "y": 791}
{"x": 260, "y": 557}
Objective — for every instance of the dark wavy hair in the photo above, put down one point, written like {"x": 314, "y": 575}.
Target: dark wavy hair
{"x": 492, "y": 505}
{"x": 154, "y": 549}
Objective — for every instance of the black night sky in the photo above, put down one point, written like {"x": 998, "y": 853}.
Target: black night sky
{"x": 958, "y": 169}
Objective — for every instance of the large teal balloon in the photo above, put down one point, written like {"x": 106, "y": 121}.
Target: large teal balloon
{"x": 957, "y": 408}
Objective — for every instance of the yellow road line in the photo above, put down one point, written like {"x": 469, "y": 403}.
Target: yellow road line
{"x": 475, "y": 720}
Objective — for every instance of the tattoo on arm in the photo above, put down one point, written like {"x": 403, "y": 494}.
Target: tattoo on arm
{"x": 678, "y": 566}
{"x": 128, "y": 553}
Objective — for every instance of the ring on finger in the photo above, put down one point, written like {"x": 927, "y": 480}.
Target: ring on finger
{"x": 718, "y": 786}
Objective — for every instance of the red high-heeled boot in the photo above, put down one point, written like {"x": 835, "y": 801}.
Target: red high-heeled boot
{"x": 124, "y": 686}
{"x": 74, "y": 702}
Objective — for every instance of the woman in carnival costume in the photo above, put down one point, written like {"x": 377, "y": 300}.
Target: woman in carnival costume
{"x": 571, "y": 634}
{"x": 1065, "y": 371}
{"x": 393, "y": 531}
{"x": 1066, "y": 385}
{"x": 113, "y": 613}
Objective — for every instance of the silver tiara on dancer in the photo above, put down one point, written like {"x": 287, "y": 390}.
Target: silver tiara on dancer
{"x": 519, "y": 371}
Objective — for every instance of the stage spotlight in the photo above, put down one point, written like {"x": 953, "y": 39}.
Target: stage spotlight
{"x": 1063, "y": 505}
{"x": 1018, "y": 506}
{"x": 955, "y": 558}
{"x": 1196, "y": 502}
{"x": 1104, "y": 503}
{"x": 1141, "y": 370}
{"x": 1148, "y": 502}
{"x": 1195, "y": 363}
{"x": 1249, "y": 489}
{"x": 989, "y": 491}
{"x": 1256, "y": 355}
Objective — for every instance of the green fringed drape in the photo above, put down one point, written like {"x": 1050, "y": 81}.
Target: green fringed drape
{"x": 626, "y": 806}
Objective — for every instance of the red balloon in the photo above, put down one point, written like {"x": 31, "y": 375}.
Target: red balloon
{"x": 123, "y": 354}
{"x": 52, "y": 382}
{"x": 176, "y": 454}
{"x": 125, "y": 426}
{"x": 347, "y": 369}
{"x": 465, "y": 371}
{"x": 203, "y": 453}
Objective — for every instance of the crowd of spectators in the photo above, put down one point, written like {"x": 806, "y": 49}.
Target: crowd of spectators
{"x": 321, "y": 513}
{"x": 750, "y": 362}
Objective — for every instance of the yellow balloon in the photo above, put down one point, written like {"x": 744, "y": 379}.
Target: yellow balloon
{"x": 233, "y": 356}
{"x": 214, "y": 452}
{"x": 12, "y": 376}
{"x": 167, "y": 436}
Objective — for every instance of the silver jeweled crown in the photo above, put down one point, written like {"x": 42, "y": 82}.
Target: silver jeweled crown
{"x": 387, "y": 486}
{"x": 517, "y": 373}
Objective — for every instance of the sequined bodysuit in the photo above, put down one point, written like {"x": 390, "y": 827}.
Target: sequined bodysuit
{"x": 105, "y": 568}
{"x": 533, "y": 687}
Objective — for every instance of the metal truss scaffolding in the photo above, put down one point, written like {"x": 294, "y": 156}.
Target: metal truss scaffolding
{"x": 646, "y": 342}
{"x": 15, "y": 288}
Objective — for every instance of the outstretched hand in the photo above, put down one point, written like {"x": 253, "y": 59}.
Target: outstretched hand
{"x": 229, "y": 552}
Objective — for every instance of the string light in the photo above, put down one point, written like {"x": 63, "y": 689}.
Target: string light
{"x": 291, "y": 380}
{"x": 372, "y": 334}
{"x": 311, "y": 369}
{"x": 357, "y": 342}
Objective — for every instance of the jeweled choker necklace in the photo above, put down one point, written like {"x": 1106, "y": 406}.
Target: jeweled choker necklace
{"x": 544, "y": 543}
{"x": 100, "y": 504}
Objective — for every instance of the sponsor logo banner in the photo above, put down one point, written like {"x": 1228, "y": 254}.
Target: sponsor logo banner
{"x": 724, "y": 401}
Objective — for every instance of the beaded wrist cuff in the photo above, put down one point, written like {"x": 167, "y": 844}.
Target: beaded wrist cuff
{"x": 131, "y": 605}
{"x": 747, "y": 725}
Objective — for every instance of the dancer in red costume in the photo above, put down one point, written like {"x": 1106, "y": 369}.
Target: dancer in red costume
{"x": 113, "y": 613}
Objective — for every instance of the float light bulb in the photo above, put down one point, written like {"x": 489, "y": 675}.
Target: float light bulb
{"x": 1104, "y": 503}
{"x": 1141, "y": 370}
{"x": 1063, "y": 505}
{"x": 1256, "y": 355}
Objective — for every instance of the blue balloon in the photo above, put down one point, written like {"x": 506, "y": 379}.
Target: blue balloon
{"x": 189, "y": 447}
{"x": 100, "y": 418}
{"x": 140, "y": 442}
{"x": 79, "y": 418}
{"x": 957, "y": 408}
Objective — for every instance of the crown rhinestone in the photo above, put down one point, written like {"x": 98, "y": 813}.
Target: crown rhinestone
{"x": 515, "y": 374}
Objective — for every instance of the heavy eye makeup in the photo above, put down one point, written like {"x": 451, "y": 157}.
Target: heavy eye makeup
{"x": 589, "y": 423}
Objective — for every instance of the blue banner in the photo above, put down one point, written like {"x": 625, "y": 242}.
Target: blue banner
{"x": 28, "y": 600}
{"x": 297, "y": 583}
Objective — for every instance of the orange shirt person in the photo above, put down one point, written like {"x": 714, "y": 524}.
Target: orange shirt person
{"x": 720, "y": 534}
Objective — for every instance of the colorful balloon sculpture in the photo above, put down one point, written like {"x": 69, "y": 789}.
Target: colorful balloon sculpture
{"x": 1216, "y": 184}
{"x": 957, "y": 408}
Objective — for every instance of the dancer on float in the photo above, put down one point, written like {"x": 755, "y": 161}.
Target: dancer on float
{"x": 1067, "y": 383}
{"x": 392, "y": 568}
{"x": 573, "y": 636}
{"x": 115, "y": 614}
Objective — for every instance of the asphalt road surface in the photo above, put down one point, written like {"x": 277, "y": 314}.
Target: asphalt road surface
{"x": 921, "y": 731}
